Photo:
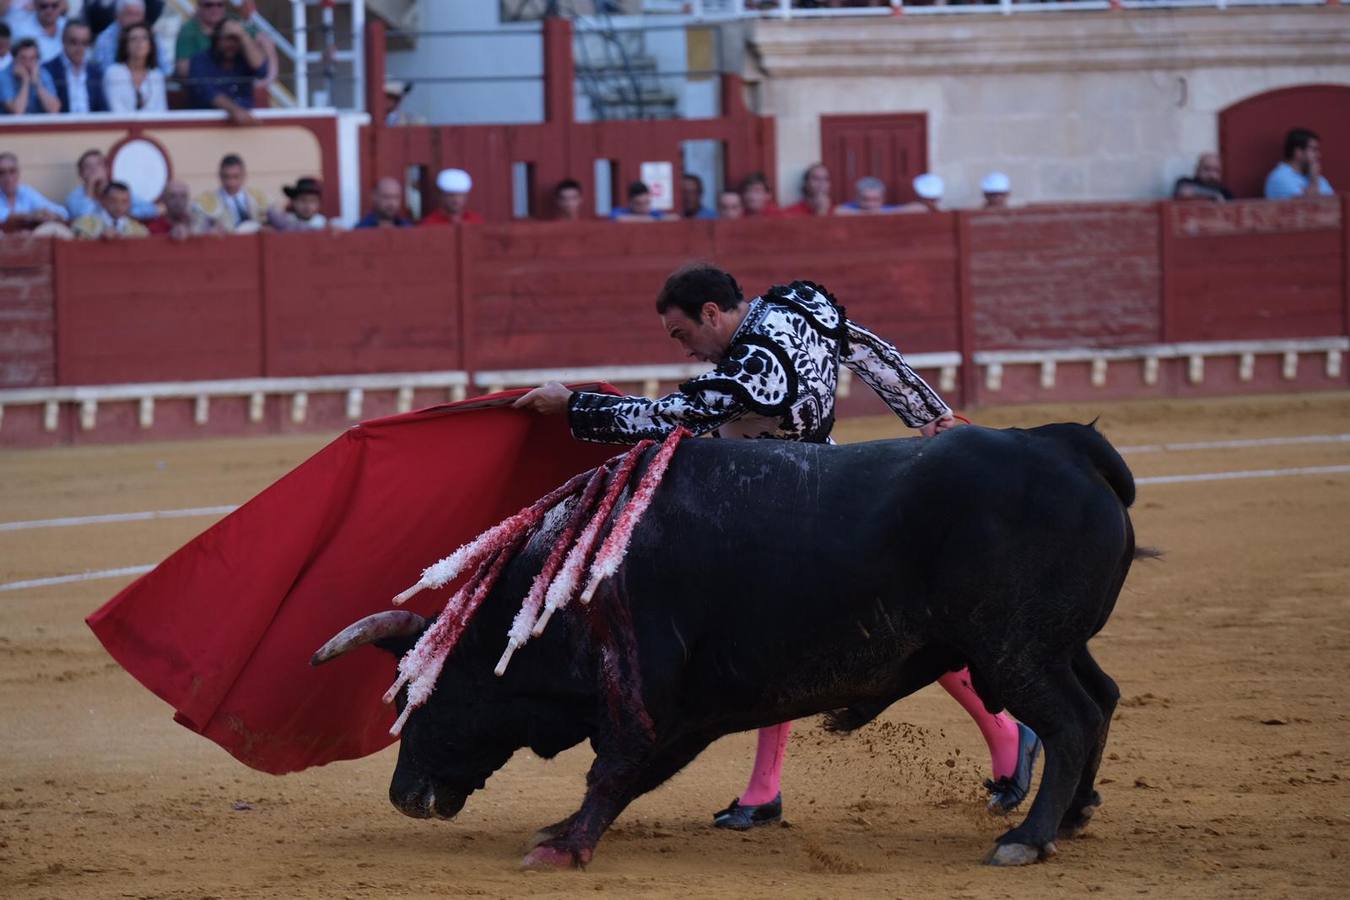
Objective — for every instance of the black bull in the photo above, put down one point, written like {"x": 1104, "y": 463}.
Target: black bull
{"x": 771, "y": 581}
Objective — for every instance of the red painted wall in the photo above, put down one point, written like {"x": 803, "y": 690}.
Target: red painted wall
{"x": 27, "y": 313}
{"x": 1065, "y": 276}
{"x": 1254, "y": 270}
{"x": 539, "y": 295}
{"x": 573, "y": 294}
{"x": 158, "y": 310}
{"x": 361, "y": 301}
{"x": 897, "y": 275}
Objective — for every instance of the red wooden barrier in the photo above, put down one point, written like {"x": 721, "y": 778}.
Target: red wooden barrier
{"x": 573, "y": 294}
{"x": 1254, "y": 270}
{"x": 156, "y": 310}
{"x": 27, "y": 313}
{"x": 361, "y": 301}
{"x": 898, "y": 275}
{"x": 1065, "y": 276}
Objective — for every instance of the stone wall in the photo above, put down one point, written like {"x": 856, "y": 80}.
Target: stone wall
{"x": 1073, "y": 106}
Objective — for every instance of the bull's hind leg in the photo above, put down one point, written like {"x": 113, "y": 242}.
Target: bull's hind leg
{"x": 615, "y": 780}
{"x": 1105, "y": 694}
{"x": 1069, "y": 722}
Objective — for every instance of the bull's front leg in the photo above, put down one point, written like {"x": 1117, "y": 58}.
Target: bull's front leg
{"x": 617, "y": 777}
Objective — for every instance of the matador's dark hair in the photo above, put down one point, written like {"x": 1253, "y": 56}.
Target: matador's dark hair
{"x": 694, "y": 285}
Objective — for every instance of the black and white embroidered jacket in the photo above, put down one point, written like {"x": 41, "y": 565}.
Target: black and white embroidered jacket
{"x": 777, "y": 380}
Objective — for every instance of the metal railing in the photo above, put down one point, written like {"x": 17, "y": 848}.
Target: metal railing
{"x": 721, "y": 10}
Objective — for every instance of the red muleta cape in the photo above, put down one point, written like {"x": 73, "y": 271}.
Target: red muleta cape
{"x": 224, "y": 628}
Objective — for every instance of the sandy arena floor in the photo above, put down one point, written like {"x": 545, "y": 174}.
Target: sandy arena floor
{"x": 1228, "y": 770}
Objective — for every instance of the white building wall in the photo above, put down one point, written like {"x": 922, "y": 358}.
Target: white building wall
{"x": 513, "y": 53}
{"x": 1071, "y": 106}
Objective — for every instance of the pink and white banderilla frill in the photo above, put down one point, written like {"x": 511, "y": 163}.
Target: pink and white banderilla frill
{"x": 485, "y": 557}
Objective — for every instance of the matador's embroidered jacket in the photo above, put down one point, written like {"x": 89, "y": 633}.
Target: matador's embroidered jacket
{"x": 777, "y": 380}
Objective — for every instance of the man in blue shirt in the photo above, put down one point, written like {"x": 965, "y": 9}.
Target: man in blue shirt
{"x": 639, "y": 208}
{"x": 78, "y": 79}
{"x": 21, "y": 203}
{"x": 222, "y": 77}
{"x": 26, "y": 88}
{"x": 1300, "y": 175}
{"x": 387, "y": 206}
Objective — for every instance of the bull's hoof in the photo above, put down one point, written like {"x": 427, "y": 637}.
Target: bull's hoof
{"x": 548, "y": 833}
{"x": 1076, "y": 822}
{"x": 1018, "y": 854}
{"x": 551, "y": 859}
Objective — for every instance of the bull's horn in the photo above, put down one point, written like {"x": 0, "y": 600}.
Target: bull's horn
{"x": 387, "y": 624}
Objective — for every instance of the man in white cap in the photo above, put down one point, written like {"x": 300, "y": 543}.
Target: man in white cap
{"x": 929, "y": 187}
{"x": 454, "y": 185}
{"x": 996, "y": 187}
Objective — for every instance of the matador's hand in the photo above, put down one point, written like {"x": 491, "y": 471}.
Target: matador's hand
{"x": 549, "y": 399}
{"x": 937, "y": 426}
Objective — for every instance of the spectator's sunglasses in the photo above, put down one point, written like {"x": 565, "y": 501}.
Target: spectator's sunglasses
{"x": 53, "y": 4}
{"x": 210, "y": 4}
{"x": 9, "y": 170}
{"x": 72, "y": 41}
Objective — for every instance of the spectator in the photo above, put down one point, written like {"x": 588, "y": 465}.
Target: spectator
{"x": 133, "y": 83}
{"x": 394, "y": 92}
{"x": 6, "y": 38}
{"x": 639, "y": 208}
{"x": 198, "y": 35}
{"x": 45, "y": 26}
{"x": 386, "y": 206}
{"x": 22, "y": 206}
{"x": 222, "y": 77}
{"x": 729, "y": 205}
{"x": 567, "y": 201}
{"x": 234, "y": 205}
{"x": 113, "y": 219}
{"x": 104, "y": 14}
{"x": 929, "y": 187}
{"x": 181, "y": 218}
{"x": 756, "y": 196}
{"x": 26, "y": 88}
{"x": 302, "y": 213}
{"x": 691, "y": 198}
{"x": 1300, "y": 174}
{"x": 815, "y": 193}
{"x": 996, "y": 187}
{"x": 78, "y": 79}
{"x": 869, "y": 199}
{"x": 1205, "y": 184}
{"x": 454, "y": 185}
{"x": 87, "y": 198}
{"x": 109, "y": 41}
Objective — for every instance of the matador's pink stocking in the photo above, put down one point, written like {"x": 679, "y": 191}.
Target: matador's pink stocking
{"x": 1000, "y": 731}
{"x": 768, "y": 771}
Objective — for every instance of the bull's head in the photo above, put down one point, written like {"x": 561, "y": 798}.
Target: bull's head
{"x": 468, "y": 729}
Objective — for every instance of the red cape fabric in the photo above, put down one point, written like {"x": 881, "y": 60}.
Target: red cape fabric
{"x": 224, "y": 628}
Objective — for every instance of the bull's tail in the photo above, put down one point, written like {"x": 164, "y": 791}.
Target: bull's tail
{"x": 1089, "y": 443}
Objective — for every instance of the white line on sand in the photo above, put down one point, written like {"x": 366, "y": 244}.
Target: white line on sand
{"x": 1250, "y": 473}
{"x": 1238, "y": 444}
{"x": 69, "y": 521}
{"x": 83, "y": 576}
{"x": 118, "y": 517}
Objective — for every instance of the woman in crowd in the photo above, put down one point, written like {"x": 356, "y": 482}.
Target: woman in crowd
{"x": 134, "y": 83}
